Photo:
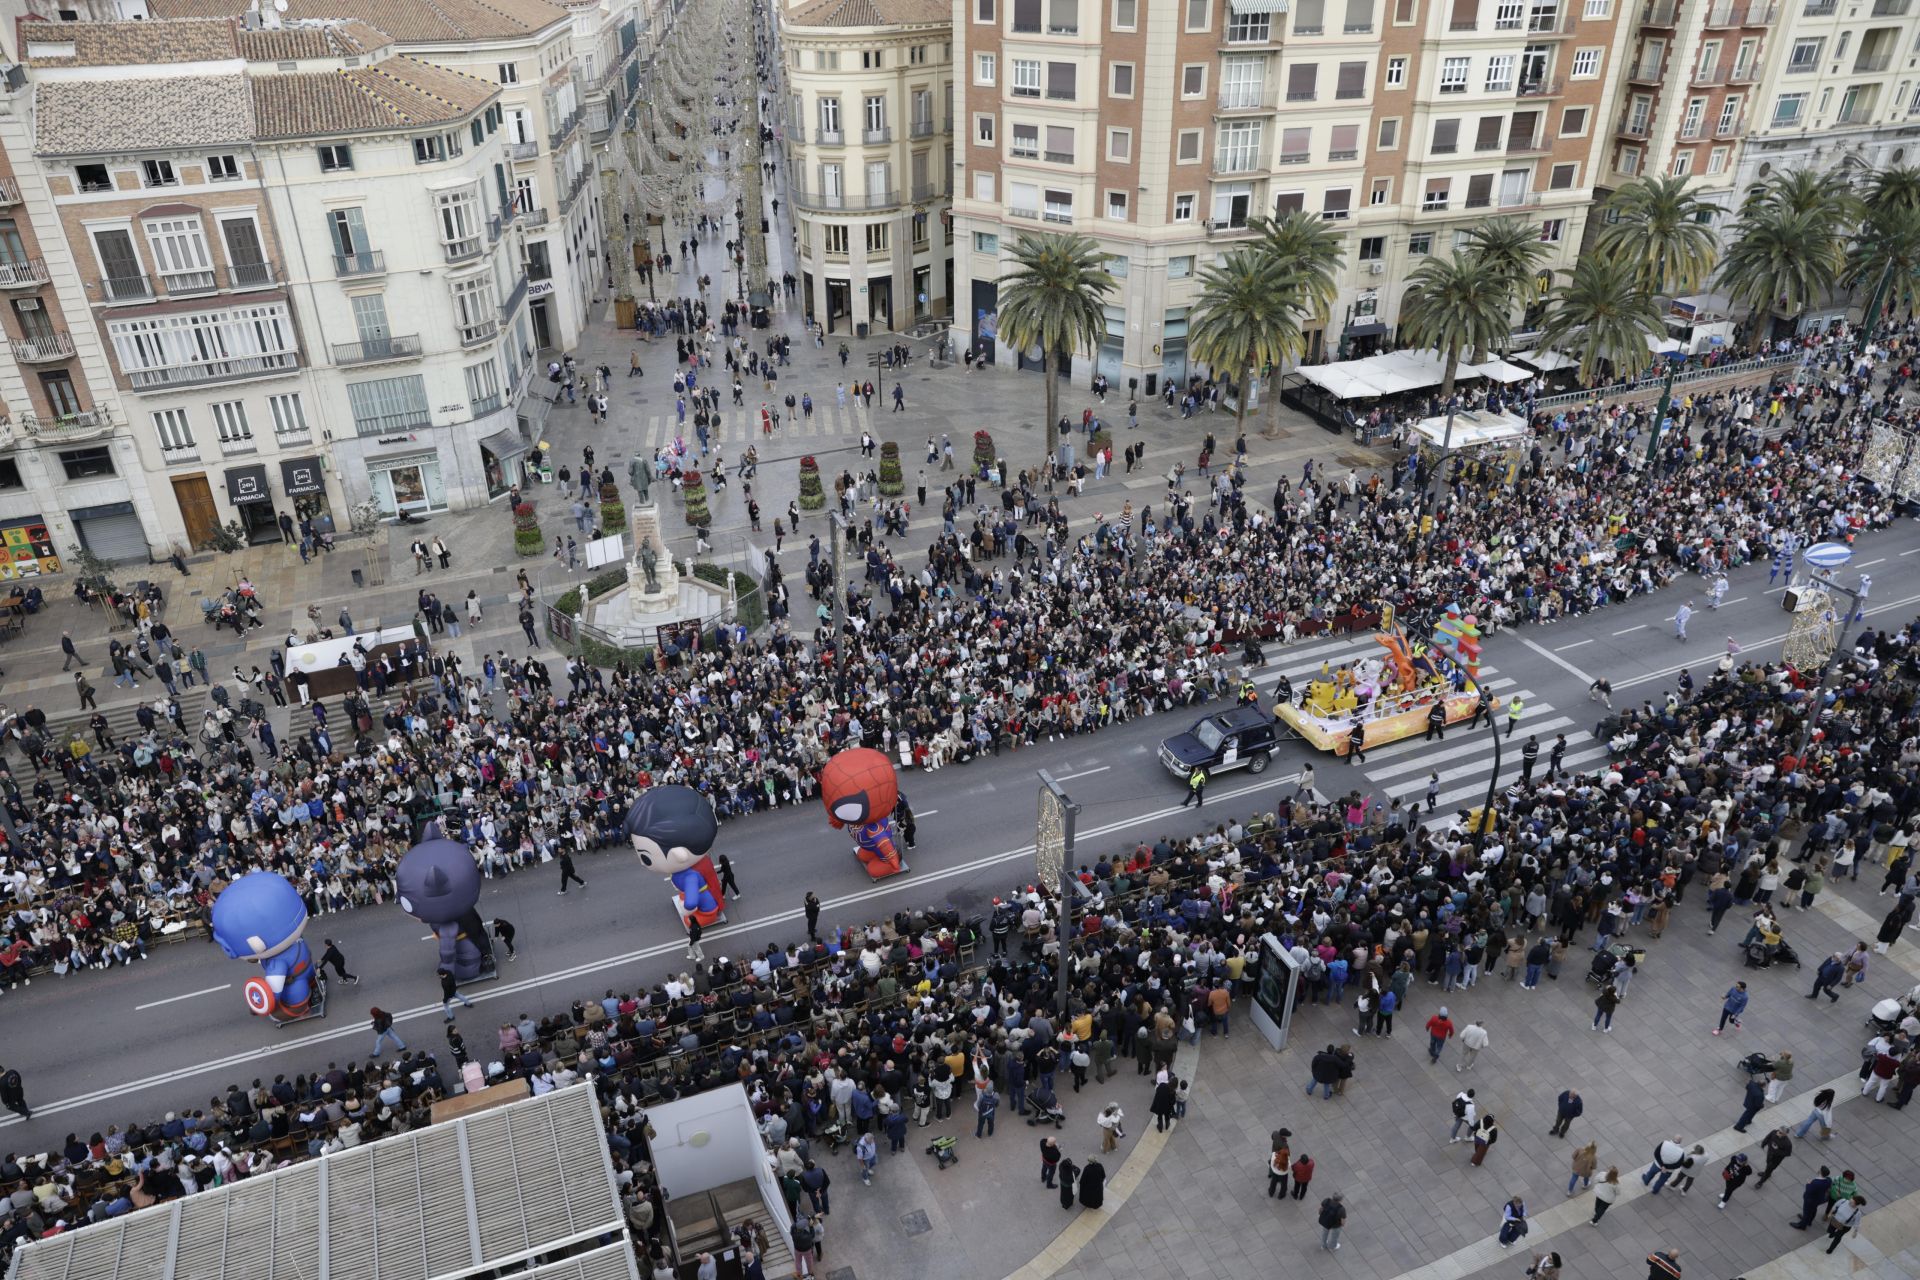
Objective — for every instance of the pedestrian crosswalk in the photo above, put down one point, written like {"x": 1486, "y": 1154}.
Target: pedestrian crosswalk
{"x": 1463, "y": 759}
{"x": 740, "y": 425}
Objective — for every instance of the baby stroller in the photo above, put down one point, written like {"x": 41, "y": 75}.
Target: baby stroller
{"x": 1600, "y": 972}
{"x": 835, "y": 1136}
{"x": 1884, "y": 1018}
{"x": 1046, "y": 1109}
{"x": 945, "y": 1151}
{"x": 1756, "y": 1064}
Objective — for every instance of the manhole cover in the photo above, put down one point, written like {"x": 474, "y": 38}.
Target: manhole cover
{"x": 916, "y": 1223}
{"x": 844, "y": 1273}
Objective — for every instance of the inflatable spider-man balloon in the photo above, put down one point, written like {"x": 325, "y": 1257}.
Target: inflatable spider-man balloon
{"x": 672, "y": 829}
{"x": 859, "y": 790}
{"x": 260, "y": 917}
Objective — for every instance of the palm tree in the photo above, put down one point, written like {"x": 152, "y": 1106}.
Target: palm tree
{"x": 1054, "y": 297}
{"x": 1662, "y": 231}
{"x": 1512, "y": 247}
{"x": 1891, "y": 188}
{"x": 1248, "y": 316}
{"x": 1602, "y": 315}
{"x": 1454, "y": 305}
{"x": 1781, "y": 260}
{"x": 1308, "y": 250}
{"x": 1886, "y": 254}
{"x": 1829, "y": 195}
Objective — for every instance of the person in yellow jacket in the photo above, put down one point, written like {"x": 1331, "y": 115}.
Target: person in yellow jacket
{"x": 1513, "y": 714}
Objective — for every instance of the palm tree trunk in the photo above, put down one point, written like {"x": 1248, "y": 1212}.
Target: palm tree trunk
{"x": 1240, "y": 409}
{"x": 1052, "y": 434}
{"x": 1272, "y": 410}
{"x": 1453, "y": 363}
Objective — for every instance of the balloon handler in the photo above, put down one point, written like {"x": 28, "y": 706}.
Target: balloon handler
{"x": 672, "y": 829}
{"x": 860, "y": 791}
{"x": 260, "y": 918}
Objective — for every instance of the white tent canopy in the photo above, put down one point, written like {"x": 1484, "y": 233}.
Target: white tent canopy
{"x": 1391, "y": 374}
{"x": 1473, "y": 428}
{"x": 1546, "y": 361}
{"x": 1338, "y": 381}
{"x": 1500, "y": 371}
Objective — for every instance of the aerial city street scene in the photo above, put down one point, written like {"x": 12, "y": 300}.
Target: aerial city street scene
{"x": 958, "y": 639}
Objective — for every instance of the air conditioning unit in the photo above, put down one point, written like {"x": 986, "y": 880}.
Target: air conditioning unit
{"x": 1376, "y": 268}
{"x": 28, "y": 304}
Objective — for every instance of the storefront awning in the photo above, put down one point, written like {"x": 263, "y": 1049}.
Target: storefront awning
{"x": 248, "y": 484}
{"x": 301, "y": 475}
{"x": 1365, "y": 329}
{"x": 503, "y": 444}
{"x": 1257, "y": 6}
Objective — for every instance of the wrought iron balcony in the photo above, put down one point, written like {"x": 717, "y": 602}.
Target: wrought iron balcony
{"x": 374, "y": 350}
{"x": 371, "y": 263}
{"x": 43, "y": 348}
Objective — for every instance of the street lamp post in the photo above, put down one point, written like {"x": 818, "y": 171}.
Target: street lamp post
{"x": 1053, "y": 856}
{"x": 1826, "y": 666}
{"x": 1493, "y": 783}
{"x": 1675, "y": 360}
{"x": 836, "y": 532}
{"x": 1446, "y": 443}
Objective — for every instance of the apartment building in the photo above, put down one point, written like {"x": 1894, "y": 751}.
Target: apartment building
{"x": 867, "y": 138}
{"x": 1689, "y": 85}
{"x": 526, "y": 47}
{"x": 1179, "y": 121}
{"x": 1841, "y": 87}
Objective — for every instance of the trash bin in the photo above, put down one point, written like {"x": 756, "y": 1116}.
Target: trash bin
{"x": 860, "y": 330}
{"x": 1153, "y": 385}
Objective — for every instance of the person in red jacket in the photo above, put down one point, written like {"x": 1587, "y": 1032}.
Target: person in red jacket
{"x": 1439, "y": 1031}
{"x": 1302, "y": 1175}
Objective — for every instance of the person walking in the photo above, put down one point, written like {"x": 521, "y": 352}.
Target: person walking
{"x": 1439, "y": 1031}
{"x": 70, "y": 655}
{"x": 1605, "y": 1195}
{"x": 1566, "y": 1109}
{"x": 1844, "y": 1219}
{"x": 1357, "y": 743}
{"x": 1663, "y": 1264}
{"x": 1690, "y": 1165}
{"x": 1828, "y": 976}
{"x": 1514, "y": 708}
{"x": 1473, "y": 1038}
{"x": 331, "y": 957}
{"x": 985, "y": 1106}
{"x": 1279, "y": 1164}
{"x": 383, "y": 1031}
{"x": 1302, "y": 1175}
{"x": 1049, "y": 1160}
{"x": 1603, "y": 1007}
{"x": 1465, "y": 1116}
{"x": 568, "y": 873}
{"x": 1775, "y": 1147}
{"x": 1680, "y": 617}
{"x": 1583, "y": 1164}
{"x": 1732, "y": 1007}
{"x": 1821, "y": 1114}
{"x": 1513, "y": 1221}
{"x": 1196, "y": 787}
{"x": 503, "y": 930}
{"x": 13, "y": 1093}
{"x": 1485, "y": 1134}
{"x": 450, "y": 992}
{"x": 1333, "y": 1216}
{"x": 1756, "y": 1098}
{"x": 1112, "y": 1122}
{"x": 812, "y": 905}
{"x": 1814, "y": 1196}
{"x": 867, "y": 1152}
{"x": 1669, "y": 1157}
{"x": 728, "y": 885}
{"x": 1733, "y": 1176}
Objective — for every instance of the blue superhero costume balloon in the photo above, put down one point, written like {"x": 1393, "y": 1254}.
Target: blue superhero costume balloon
{"x": 672, "y": 829}
{"x": 440, "y": 887}
{"x": 260, "y": 918}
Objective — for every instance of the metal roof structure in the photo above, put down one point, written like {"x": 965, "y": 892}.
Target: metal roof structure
{"x": 468, "y": 1195}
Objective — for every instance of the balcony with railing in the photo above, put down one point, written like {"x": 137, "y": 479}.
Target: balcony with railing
{"x": 66, "y": 427}
{"x": 1518, "y": 200}
{"x": 523, "y": 150}
{"x": 1659, "y": 14}
{"x": 1753, "y": 13}
{"x": 464, "y": 250}
{"x": 251, "y": 275}
{"x": 200, "y": 373}
{"x": 126, "y": 288}
{"x": 43, "y": 348}
{"x": 513, "y": 301}
{"x": 1871, "y": 62}
{"x": 1820, "y": 8}
{"x": 816, "y": 200}
{"x": 534, "y": 217}
{"x": 1707, "y": 77}
{"x": 1539, "y": 89}
{"x": 874, "y": 137}
{"x": 1734, "y": 128}
{"x": 922, "y": 128}
{"x": 1226, "y": 227}
{"x": 371, "y": 262}
{"x": 1527, "y": 144}
{"x": 9, "y": 193}
{"x": 1858, "y": 114}
{"x": 1646, "y": 72}
{"x": 1744, "y": 73}
{"x": 1635, "y": 127}
{"x": 1551, "y": 26}
{"x": 574, "y": 189}
{"x": 375, "y": 350}
{"x": 1891, "y": 8}
{"x": 24, "y": 274}
{"x": 563, "y": 130}
{"x": 186, "y": 284}
{"x": 829, "y": 137}
{"x": 480, "y": 331}
{"x": 1059, "y": 157}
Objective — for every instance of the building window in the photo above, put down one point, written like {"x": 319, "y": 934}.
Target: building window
{"x": 1562, "y": 177}
{"x": 204, "y": 346}
{"x": 1695, "y": 115}
{"x": 1126, "y": 15}
{"x": 1438, "y": 190}
{"x": 223, "y": 169}
{"x": 984, "y": 66}
{"x": 1717, "y": 160}
{"x": 1120, "y": 145}
{"x": 1586, "y": 63}
{"x": 508, "y": 72}
{"x": 1193, "y": 80}
{"x": 388, "y": 404}
{"x": 1396, "y": 73}
{"x": 1120, "y": 80}
{"x": 917, "y": 55}
{"x": 1336, "y": 205}
{"x": 875, "y": 116}
{"x": 1062, "y": 81}
{"x": 289, "y": 415}
{"x": 1372, "y": 248}
{"x": 983, "y": 185}
{"x": 230, "y": 422}
{"x": 1025, "y": 142}
{"x": 1183, "y": 207}
{"x": 1242, "y": 82}
{"x": 983, "y": 130}
{"x": 1187, "y": 147}
{"x": 459, "y": 221}
{"x": 986, "y": 242}
{"x": 1453, "y": 75}
{"x": 1180, "y": 267}
{"x": 173, "y": 430}
{"x": 1026, "y": 78}
{"x": 473, "y": 309}
{"x": 1199, "y": 15}
{"x": 1380, "y": 192}
{"x": 1303, "y": 81}
{"x": 1116, "y": 206}
{"x": 1729, "y": 116}
{"x": 86, "y": 464}
{"x": 1446, "y": 137}
{"x": 1573, "y": 122}
{"x": 336, "y": 157}
{"x": 1553, "y": 230}
{"x": 876, "y": 238}
{"x": 1388, "y": 138}
{"x": 429, "y": 150}
{"x": 1597, "y": 9}
{"x": 983, "y": 10}
{"x": 834, "y": 239}
{"x": 1788, "y": 109}
{"x": 1237, "y": 146}
{"x": 1420, "y": 244}
{"x": 1500, "y": 73}
{"x": 1059, "y": 206}
{"x": 92, "y": 177}
{"x": 1248, "y": 28}
{"x": 158, "y": 173}
{"x": 1629, "y": 161}
{"x": 179, "y": 248}
{"x": 1805, "y": 56}
{"x": 1682, "y": 163}
{"x": 62, "y": 397}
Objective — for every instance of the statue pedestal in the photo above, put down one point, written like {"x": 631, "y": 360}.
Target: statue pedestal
{"x": 664, "y": 594}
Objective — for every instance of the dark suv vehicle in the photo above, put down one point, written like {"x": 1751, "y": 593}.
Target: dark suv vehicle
{"x": 1241, "y": 737}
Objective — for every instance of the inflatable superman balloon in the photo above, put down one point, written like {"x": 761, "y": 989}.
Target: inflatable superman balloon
{"x": 672, "y": 829}
{"x": 859, "y": 790}
{"x": 260, "y": 918}
{"x": 439, "y": 885}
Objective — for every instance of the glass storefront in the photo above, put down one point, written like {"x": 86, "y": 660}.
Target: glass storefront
{"x": 410, "y": 483}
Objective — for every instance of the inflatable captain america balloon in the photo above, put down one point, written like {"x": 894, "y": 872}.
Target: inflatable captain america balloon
{"x": 672, "y": 829}
{"x": 859, "y": 789}
{"x": 439, "y": 886}
{"x": 260, "y": 918}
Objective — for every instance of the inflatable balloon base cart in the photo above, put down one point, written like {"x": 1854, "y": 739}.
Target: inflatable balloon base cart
{"x": 867, "y": 866}
{"x": 262, "y": 997}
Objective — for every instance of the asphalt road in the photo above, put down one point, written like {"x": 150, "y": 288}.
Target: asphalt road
{"x": 171, "y": 1032}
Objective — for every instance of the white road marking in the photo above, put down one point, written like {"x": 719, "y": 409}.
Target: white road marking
{"x": 1746, "y": 645}
{"x": 1556, "y": 659}
{"x": 926, "y": 813}
{"x": 205, "y": 991}
{"x": 1910, "y": 551}
{"x": 1735, "y": 600}
{"x": 1575, "y": 645}
{"x": 1868, "y": 564}
{"x": 1084, "y": 773}
{"x": 1630, "y": 630}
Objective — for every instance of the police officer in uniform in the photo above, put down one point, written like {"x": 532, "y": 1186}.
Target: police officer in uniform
{"x": 1528, "y": 754}
{"x": 1484, "y": 707}
{"x": 1436, "y": 722}
{"x": 1196, "y": 787}
{"x": 1357, "y": 743}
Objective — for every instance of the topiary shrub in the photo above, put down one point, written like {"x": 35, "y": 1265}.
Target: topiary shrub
{"x": 694, "y": 489}
{"x": 526, "y": 531}
{"x": 892, "y": 483}
{"x": 983, "y": 454}
{"x": 812, "y": 496}
{"x": 613, "y": 511}
{"x": 1101, "y": 440}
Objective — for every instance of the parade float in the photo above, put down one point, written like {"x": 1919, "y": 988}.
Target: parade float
{"x": 1392, "y": 693}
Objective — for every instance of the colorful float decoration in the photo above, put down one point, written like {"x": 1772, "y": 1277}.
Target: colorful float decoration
{"x": 1392, "y": 693}
{"x": 672, "y": 829}
{"x": 260, "y": 918}
{"x": 860, "y": 790}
